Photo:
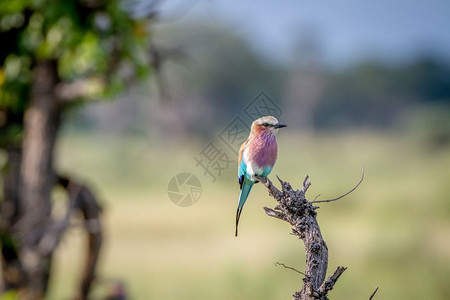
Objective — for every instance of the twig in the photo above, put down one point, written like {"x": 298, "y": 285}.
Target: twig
{"x": 276, "y": 193}
{"x": 276, "y": 214}
{"x": 342, "y": 196}
{"x": 52, "y": 237}
{"x": 306, "y": 184}
{"x": 290, "y": 268}
{"x": 373, "y": 294}
{"x": 328, "y": 284}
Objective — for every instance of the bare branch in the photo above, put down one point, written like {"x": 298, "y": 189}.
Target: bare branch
{"x": 290, "y": 268}
{"x": 301, "y": 214}
{"x": 306, "y": 184}
{"x": 273, "y": 213}
{"x": 328, "y": 284}
{"x": 342, "y": 196}
{"x": 86, "y": 203}
{"x": 276, "y": 193}
{"x": 373, "y": 294}
{"x": 56, "y": 230}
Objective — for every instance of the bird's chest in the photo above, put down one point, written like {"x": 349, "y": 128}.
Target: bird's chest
{"x": 261, "y": 156}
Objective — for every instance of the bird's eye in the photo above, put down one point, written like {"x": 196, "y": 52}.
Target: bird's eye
{"x": 265, "y": 124}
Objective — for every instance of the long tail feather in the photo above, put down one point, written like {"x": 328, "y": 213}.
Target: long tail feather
{"x": 238, "y": 215}
{"x": 245, "y": 190}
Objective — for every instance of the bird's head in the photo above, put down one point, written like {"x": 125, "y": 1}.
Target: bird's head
{"x": 266, "y": 124}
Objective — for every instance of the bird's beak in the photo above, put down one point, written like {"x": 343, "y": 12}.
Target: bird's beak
{"x": 279, "y": 125}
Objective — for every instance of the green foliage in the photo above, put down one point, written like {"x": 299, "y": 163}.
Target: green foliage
{"x": 9, "y": 295}
{"x": 90, "y": 40}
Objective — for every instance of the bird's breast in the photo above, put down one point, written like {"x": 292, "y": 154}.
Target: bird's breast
{"x": 261, "y": 155}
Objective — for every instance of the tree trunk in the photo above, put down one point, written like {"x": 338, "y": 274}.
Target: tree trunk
{"x": 41, "y": 124}
{"x": 12, "y": 271}
{"x": 28, "y": 233}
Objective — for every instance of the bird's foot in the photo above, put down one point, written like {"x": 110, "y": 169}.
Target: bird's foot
{"x": 257, "y": 178}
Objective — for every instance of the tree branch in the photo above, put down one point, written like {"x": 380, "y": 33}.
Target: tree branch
{"x": 342, "y": 196}
{"x": 290, "y": 268}
{"x": 328, "y": 284}
{"x": 87, "y": 204}
{"x": 301, "y": 214}
{"x": 373, "y": 294}
{"x": 273, "y": 191}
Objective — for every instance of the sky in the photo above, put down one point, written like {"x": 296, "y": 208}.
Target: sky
{"x": 346, "y": 30}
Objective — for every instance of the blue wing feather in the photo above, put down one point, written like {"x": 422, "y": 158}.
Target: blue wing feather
{"x": 246, "y": 183}
{"x": 242, "y": 169}
{"x": 266, "y": 171}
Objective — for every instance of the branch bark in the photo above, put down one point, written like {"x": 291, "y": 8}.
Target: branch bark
{"x": 294, "y": 208}
{"x": 41, "y": 123}
{"x": 29, "y": 234}
{"x": 12, "y": 270}
{"x": 373, "y": 294}
{"x": 84, "y": 200}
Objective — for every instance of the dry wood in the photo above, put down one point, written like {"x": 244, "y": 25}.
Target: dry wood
{"x": 294, "y": 208}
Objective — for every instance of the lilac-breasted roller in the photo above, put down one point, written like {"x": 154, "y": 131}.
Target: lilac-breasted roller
{"x": 257, "y": 156}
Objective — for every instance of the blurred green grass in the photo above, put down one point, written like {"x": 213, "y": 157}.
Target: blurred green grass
{"x": 392, "y": 232}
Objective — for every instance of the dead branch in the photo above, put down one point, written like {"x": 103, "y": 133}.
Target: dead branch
{"x": 294, "y": 208}
{"x": 342, "y": 196}
{"x": 373, "y": 294}
{"x": 87, "y": 204}
{"x": 57, "y": 228}
{"x": 290, "y": 268}
{"x": 328, "y": 284}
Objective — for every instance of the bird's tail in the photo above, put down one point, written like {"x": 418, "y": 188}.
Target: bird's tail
{"x": 245, "y": 190}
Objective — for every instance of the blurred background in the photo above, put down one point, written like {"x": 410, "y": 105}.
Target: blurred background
{"x": 358, "y": 83}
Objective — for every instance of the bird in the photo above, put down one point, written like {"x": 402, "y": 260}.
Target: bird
{"x": 257, "y": 156}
